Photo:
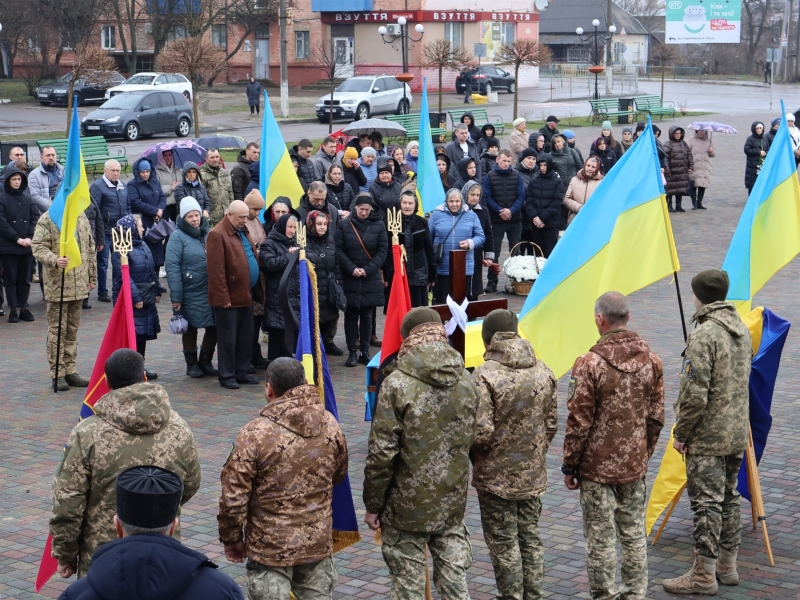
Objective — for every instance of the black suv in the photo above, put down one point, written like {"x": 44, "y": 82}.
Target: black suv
{"x": 485, "y": 80}
{"x": 89, "y": 89}
{"x": 140, "y": 114}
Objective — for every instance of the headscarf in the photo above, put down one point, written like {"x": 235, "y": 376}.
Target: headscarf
{"x": 269, "y": 214}
{"x": 466, "y": 188}
{"x": 128, "y": 222}
{"x": 311, "y": 222}
{"x": 281, "y": 224}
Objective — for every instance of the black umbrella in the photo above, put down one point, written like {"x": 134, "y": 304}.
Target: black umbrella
{"x": 218, "y": 140}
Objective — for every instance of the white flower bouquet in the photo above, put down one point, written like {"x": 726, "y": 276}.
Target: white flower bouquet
{"x": 523, "y": 268}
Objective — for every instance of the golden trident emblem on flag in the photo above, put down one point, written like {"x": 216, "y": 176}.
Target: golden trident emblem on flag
{"x": 122, "y": 242}
{"x": 395, "y": 226}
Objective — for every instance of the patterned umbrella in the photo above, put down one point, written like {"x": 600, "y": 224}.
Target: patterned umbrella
{"x": 712, "y": 126}
{"x": 182, "y": 151}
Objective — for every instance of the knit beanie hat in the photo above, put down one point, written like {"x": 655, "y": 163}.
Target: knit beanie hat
{"x": 384, "y": 167}
{"x": 350, "y": 152}
{"x": 627, "y": 130}
{"x": 364, "y": 198}
{"x": 188, "y": 204}
{"x": 366, "y": 151}
{"x": 568, "y": 133}
{"x": 518, "y": 121}
{"x": 606, "y": 125}
{"x": 526, "y": 153}
{"x": 492, "y": 141}
{"x": 498, "y": 320}
{"x": 710, "y": 285}
{"x": 254, "y": 199}
{"x": 144, "y": 165}
{"x": 418, "y": 316}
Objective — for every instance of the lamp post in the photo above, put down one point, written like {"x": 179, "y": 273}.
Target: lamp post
{"x": 596, "y": 67}
{"x": 405, "y": 39}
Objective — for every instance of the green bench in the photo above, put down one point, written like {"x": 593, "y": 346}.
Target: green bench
{"x": 95, "y": 152}
{"x": 608, "y": 108}
{"x": 411, "y": 123}
{"x": 653, "y": 106}
{"x": 481, "y": 118}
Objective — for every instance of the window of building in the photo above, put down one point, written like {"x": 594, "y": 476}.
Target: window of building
{"x": 578, "y": 54}
{"x": 219, "y": 36}
{"x": 634, "y": 53}
{"x": 107, "y": 40}
{"x": 454, "y": 33}
{"x": 177, "y": 32}
{"x": 508, "y": 33}
{"x": 559, "y": 54}
{"x": 262, "y": 31}
{"x": 302, "y": 45}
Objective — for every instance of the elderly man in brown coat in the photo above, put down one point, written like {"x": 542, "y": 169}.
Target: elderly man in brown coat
{"x": 232, "y": 288}
{"x": 278, "y": 484}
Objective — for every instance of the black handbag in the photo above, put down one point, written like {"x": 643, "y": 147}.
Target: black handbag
{"x": 148, "y": 292}
{"x": 438, "y": 249}
{"x": 336, "y": 294}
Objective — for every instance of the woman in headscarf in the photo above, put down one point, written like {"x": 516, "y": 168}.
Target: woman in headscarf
{"x": 397, "y": 154}
{"x": 148, "y": 199}
{"x": 415, "y": 237}
{"x": 279, "y": 207}
{"x": 321, "y": 251}
{"x": 484, "y": 256}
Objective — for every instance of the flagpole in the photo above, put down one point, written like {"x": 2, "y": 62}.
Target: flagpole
{"x": 58, "y": 337}
{"x": 680, "y": 305}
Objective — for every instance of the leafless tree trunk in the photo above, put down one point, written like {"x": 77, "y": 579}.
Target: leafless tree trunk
{"x": 441, "y": 54}
{"x": 521, "y": 52}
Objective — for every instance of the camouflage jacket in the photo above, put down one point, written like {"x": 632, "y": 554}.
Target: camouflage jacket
{"x": 220, "y": 192}
{"x": 46, "y": 244}
{"x": 131, "y": 426}
{"x": 278, "y": 481}
{"x": 417, "y": 469}
{"x": 517, "y": 419}
{"x": 616, "y": 409}
{"x": 713, "y": 405}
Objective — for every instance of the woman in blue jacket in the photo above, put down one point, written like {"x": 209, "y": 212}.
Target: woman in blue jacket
{"x": 458, "y": 228}
{"x": 187, "y": 275}
{"x": 148, "y": 199}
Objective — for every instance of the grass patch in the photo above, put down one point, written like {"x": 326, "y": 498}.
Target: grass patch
{"x": 34, "y": 137}
{"x": 15, "y": 90}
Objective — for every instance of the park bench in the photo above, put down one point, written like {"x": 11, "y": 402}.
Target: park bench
{"x": 608, "y": 108}
{"x": 411, "y": 123}
{"x": 481, "y": 118}
{"x": 95, "y": 152}
{"x": 653, "y": 106}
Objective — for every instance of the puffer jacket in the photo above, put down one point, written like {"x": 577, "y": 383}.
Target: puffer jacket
{"x": 220, "y": 192}
{"x": 566, "y": 163}
{"x": 516, "y": 421}
{"x": 305, "y": 168}
{"x": 46, "y": 246}
{"x": 362, "y": 291}
{"x": 416, "y": 238}
{"x": 272, "y": 490}
{"x": 385, "y": 195}
{"x": 146, "y": 197}
{"x": 545, "y": 197}
{"x": 112, "y": 202}
{"x": 340, "y": 196}
{"x": 467, "y": 227}
{"x": 253, "y": 93}
{"x": 579, "y": 191}
{"x": 417, "y": 470}
{"x": 701, "y": 157}
{"x": 607, "y": 157}
{"x": 196, "y": 190}
{"x": 678, "y": 163}
{"x": 753, "y": 147}
{"x": 18, "y": 215}
{"x": 321, "y": 251}
{"x": 187, "y": 272}
{"x": 273, "y": 258}
{"x": 240, "y": 175}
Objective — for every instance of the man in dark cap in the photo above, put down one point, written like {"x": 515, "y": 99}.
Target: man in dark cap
{"x": 711, "y": 431}
{"x": 154, "y": 564}
{"x": 517, "y": 419}
{"x": 548, "y": 130}
{"x": 275, "y": 505}
{"x": 133, "y": 424}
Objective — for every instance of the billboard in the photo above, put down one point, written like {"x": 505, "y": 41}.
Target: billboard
{"x": 703, "y": 21}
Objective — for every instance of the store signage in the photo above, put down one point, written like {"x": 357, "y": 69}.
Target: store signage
{"x": 427, "y": 16}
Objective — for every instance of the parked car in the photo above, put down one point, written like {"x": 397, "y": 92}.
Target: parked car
{"x": 485, "y": 79}
{"x": 358, "y": 98}
{"x": 140, "y": 114}
{"x": 171, "y": 82}
{"x": 91, "y": 88}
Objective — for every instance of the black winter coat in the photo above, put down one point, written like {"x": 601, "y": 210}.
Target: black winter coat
{"x": 607, "y": 157}
{"x": 18, "y": 215}
{"x": 142, "y": 269}
{"x": 483, "y": 251}
{"x": 253, "y": 93}
{"x": 420, "y": 264}
{"x": 752, "y": 149}
{"x": 321, "y": 251}
{"x": 355, "y": 178}
{"x": 678, "y": 161}
{"x": 386, "y": 195}
{"x": 305, "y": 169}
{"x": 240, "y": 176}
{"x": 463, "y": 176}
{"x": 273, "y": 258}
{"x": 341, "y": 196}
{"x": 362, "y": 291}
{"x": 544, "y": 198}
{"x": 198, "y": 192}
{"x": 306, "y": 207}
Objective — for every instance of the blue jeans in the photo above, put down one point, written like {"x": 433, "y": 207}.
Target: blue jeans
{"x": 102, "y": 267}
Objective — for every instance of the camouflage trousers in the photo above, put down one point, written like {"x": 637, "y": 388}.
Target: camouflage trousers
{"x": 511, "y": 530}
{"x": 70, "y": 321}
{"x": 612, "y": 512}
{"x": 312, "y": 581}
{"x": 716, "y": 504}
{"x": 404, "y": 553}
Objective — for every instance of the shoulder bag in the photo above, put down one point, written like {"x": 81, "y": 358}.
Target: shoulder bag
{"x": 438, "y": 249}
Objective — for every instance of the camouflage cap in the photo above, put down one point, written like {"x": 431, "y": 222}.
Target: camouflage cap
{"x": 148, "y": 496}
{"x": 418, "y": 316}
{"x": 500, "y": 319}
{"x": 710, "y": 285}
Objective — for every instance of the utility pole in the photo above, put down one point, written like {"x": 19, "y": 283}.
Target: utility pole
{"x": 785, "y": 39}
{"x": 284, "y": 61}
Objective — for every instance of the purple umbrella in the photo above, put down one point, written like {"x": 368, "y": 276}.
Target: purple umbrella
{"x": 182, "y": 151}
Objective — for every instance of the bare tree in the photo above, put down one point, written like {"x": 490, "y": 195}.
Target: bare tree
{"x": 521, "y": 52}
{"x": 92, "y": 65}
{"x": 198, "y": 59}
{"x": 642, "y": 8}
{"x": 323, "y": 57}
{"x": 442, "y": 55}
{"x": 663, "y": 54}
{"x": 128, "y": 14}
{"x": 754, "y": 18}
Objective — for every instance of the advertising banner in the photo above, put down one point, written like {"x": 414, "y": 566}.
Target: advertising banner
{"x": 703, "y": 21}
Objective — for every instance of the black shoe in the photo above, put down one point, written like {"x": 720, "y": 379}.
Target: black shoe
{"x": 150, "y": 375}
{"x": 678, "y": 208}
{"x": 205, "y": 363}
{"x": 192, "y": 368}
{"x": 247, "y": 380}
{"x": 62, "y": 385}
{"x": 261, "y": 363}
{"x": 364, "y": 358}
{"x": 229, "y": 384}
{"x": 352, "y": 360}
{"x": 86, "y": 305}
{"x": 700, "y": 205}
{"x": 333, "y": 350}
{"x": 492, "y": 287}
{"x": 251, "y": 369}
{"x": 12, "y": 316}
{"x": 104, "y": 298}
{"x": 25, "y": 315}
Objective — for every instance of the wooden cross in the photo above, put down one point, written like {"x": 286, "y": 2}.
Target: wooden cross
{"x": 458, "y": 292}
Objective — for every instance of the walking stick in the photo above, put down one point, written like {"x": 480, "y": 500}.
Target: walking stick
{"x": 58, "y": 337}
{"x": 680, "y": 305}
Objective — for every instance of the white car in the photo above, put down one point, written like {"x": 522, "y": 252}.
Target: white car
{"x": 358, "y": 98}
{"x": 168, "y": 82}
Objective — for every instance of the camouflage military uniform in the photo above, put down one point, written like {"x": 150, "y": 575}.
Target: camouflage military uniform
{"x": 46, "y": 245}
{"x": 132, "y": 426}
{"x": 517, "y": 419}
{"x": 417, "y": 469}
{"x": 712, "y": 419}
{"x": 220, "y": 192}
{"x": 616, "y": 412}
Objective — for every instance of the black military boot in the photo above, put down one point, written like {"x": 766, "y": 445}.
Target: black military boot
{"x": 352, "y": 360}
{"x": 678, "y": 207}
{"x": 669, "y": 204}
{"x": 205, "y": 363}
{"x": 192, "y": 368}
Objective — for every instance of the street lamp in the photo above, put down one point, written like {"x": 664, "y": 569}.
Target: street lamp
{"x": 404, "y": 37}
{"x": 596, "y": 67}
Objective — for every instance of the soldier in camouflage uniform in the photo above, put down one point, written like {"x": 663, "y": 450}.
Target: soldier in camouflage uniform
{"x": 218, "y": 185}
{"x": 417, "y": 469}
{"x": 711, "y": 430}
{"x": 517, "y": 419}
{"x": 133, "y": 425}
{"x": 78, "y": 282}
{"x": 277, "y": 485}
{"x": 616, "y": 412}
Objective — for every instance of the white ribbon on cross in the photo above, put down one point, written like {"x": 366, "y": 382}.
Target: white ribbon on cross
{"x": 459, "y": 315}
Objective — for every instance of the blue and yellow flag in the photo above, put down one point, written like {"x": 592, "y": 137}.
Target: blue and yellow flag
{"x": 429, "y": 184}
{"x": 767, "y": 237}
{"x": 311, "y": 352}
{"x": 620, "y": 241}
{"x": 72, "y": 197}
{"x": 276, "y": 175}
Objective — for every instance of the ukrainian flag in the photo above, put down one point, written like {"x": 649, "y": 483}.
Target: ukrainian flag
{"x": 72, "y": 197}
{"x": 767, "y": 237}
{"x": 620, "y": 241}
{"x": 276, "y": 175}
{"x": 429, "y": 185}
{"x": 311, "y": 352}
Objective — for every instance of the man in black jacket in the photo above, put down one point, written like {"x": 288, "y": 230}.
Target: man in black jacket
{"x": 301, "y": 152}
{"x": 240, "y": 173}
{"x": 543, "y": 204}
{"x": 316, "y": 199}
{"x": 548, "y": 130}
{"x": 385, "y": 191}
{"x": 462, "y": 147}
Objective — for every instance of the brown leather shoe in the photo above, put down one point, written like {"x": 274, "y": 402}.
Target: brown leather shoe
{"x": 374, "y": 341}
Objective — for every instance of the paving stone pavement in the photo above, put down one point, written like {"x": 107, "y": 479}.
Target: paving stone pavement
{"x": 36, "y": 423}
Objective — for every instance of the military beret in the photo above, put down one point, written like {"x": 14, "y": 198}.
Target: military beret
{"x": 148, "y": 496}
{"x": 498, "y": 320}
{"x": 418, "y": 316}
{"x": 710, "y": 285}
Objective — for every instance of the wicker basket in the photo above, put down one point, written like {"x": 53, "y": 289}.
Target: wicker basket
{"x": 523, "y": 288}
